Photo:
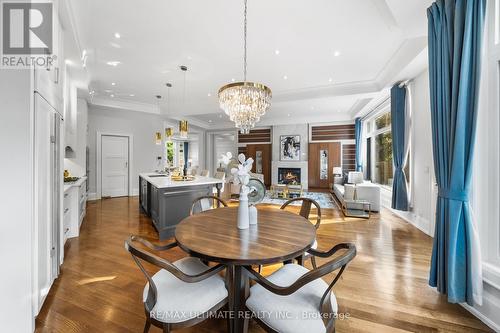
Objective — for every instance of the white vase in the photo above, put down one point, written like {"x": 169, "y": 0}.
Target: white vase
{"x": 252, "y": 214}
{"x": 243, "y": 218}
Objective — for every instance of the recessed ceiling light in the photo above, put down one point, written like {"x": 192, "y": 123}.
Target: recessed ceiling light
{"x": 113, "y": 83}
{"x": 131, "y": 95}
{"x": 220, "y": 116}
{"x": 117, "y": 35}
{"x": 336, "y": 53}
{"x": 209, "y": 94}
{"x": 285, "y": 77}
{"x": 330, "y": 80}
{"x": 111, "y": 95}
{"x": 312, "y": 107}
{"x": 276, "y": 52}
{"x": 113, "y": 63}
{"x": 210, "y": 120}
{"x": 288, "y": 115}
{"x": 232, "y": 80}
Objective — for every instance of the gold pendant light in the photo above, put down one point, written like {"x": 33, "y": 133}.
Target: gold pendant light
{"x": 245, "y": 102}
{"x": 183, "y": 124}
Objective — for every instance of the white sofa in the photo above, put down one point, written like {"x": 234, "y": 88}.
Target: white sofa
{"x": 363, "y": 190}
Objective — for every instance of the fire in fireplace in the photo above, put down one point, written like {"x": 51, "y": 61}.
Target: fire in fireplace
{"x": 289, "y": 176}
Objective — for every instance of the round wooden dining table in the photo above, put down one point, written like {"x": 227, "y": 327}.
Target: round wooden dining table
{"x": 213, "y": 235}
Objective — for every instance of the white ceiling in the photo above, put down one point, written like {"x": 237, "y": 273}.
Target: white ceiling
{"x": 378, "y": 41}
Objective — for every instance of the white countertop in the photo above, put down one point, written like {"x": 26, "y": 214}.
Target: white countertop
{"x": 77, "y": 183}
{"x": 166, "y": 182}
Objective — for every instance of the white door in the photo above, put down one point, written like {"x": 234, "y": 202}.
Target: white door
{"x": 114, "y": 166}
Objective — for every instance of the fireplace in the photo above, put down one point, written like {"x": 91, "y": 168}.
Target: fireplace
{"x": 289, "y": 176}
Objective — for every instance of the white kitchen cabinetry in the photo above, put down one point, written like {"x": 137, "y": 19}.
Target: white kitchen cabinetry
{"x": 49, "y": 80}
{"x": 75, "y": 202}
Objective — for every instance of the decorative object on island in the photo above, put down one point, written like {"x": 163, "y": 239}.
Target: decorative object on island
{"x": 256, "y": 195}
{"x": 158, "y": 138}
{"x": 245, "y": 102}
{"x": 290, "y": 148}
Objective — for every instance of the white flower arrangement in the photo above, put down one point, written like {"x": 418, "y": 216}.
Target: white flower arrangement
{"x": 241, "y": 174}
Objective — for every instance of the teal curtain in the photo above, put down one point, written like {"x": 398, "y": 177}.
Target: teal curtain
{"x": 358, "y": 127}
{"x": 398, "y": 129}
{"x": 455, "y": 37}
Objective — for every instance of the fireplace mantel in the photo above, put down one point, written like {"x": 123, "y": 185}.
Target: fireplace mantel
{"x": 295, "y": 164}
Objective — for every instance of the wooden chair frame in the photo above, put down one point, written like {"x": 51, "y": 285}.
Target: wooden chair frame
{"x": 219, "y": 202}
{"x": 325, "y": 306}
{"x": 305, "y": 211}
{"x": 140, "y": 254}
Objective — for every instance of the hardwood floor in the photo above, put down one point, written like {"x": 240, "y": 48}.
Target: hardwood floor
{"x": 383, "y": 290}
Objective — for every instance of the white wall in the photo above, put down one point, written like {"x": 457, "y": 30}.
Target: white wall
{"x": 141, "y": 125}
{"x": 77, "y": 164}
{"x": 16, "y": 173}
{"x": 422, "y": 173}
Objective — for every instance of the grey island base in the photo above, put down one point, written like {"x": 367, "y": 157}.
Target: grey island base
{"x": 168, "y": 202}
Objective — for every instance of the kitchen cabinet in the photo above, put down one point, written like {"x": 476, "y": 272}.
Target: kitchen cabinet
{"x": 49, "y": 80}
{"x": 75, "y": 202}
{"x": 168, "y": 202}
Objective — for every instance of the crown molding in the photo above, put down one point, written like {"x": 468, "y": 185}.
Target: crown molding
{"x": 117, "y": 103}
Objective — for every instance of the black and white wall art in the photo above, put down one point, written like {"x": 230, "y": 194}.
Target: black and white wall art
{"x": 290, "y": 148}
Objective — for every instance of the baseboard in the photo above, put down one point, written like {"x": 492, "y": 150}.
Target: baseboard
{"x": 418, "y": 222}
{"x": 92, "y": 196}
{"x": 476, "y": 313}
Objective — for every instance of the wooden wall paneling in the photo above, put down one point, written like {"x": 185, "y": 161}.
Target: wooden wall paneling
{"x": 333, "y": 132}
{"x": 242, "y": 150}
{"x": 348, "y": 157}
{"x": 251, "y": 150}
{"x": 334, "y": 159}
{"x": 313, "y": 165}
{"x": 256, "y": 136}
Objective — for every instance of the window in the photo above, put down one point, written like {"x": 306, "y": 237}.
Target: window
{"x": 383, "y": 159}
{"x": 170, "y": 153}
{"x": 485, "y": 196}
{"x": 379, "y": 163}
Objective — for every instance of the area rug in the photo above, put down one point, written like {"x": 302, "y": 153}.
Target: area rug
{"x": 324, "y": 200}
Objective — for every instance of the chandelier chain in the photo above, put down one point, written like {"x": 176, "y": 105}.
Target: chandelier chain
{"x": 245, "y": 44}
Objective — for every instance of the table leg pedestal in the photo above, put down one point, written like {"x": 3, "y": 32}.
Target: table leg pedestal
{"x": 238, "y": 293}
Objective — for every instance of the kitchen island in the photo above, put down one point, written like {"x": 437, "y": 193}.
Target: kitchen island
{"x": 168, "y": 202}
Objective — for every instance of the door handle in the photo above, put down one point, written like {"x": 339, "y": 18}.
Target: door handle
{"x": 56, "y": 73}
{"x": 126, "y": 164}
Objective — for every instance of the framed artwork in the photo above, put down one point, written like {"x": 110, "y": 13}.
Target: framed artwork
{"x": 323, "y": 164}
{"x": 290, "y": 148}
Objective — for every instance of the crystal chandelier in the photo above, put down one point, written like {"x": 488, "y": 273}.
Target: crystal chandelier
{"x": 245, "y": 102}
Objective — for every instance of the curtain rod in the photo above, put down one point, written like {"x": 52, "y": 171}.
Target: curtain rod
{"x": 376, "y": 108}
